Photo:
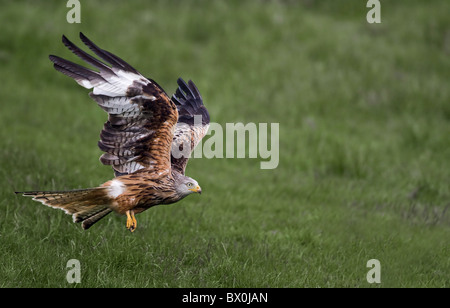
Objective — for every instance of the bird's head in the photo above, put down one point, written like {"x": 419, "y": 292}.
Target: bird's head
{"x": 186, "y": 186}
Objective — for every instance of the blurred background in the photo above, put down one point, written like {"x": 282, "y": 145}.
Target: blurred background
{"x": 364, "y": 118}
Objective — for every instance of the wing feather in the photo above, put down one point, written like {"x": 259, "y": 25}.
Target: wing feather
{"x": 192, "y": 126}
{"x": 141, "y": 116}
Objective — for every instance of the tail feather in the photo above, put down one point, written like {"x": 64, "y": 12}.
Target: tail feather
{"x": 85, "y": 205}
{"x": 88, "y": 222}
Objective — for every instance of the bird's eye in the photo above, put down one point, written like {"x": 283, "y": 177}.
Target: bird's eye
{"x": 189, "y": 185}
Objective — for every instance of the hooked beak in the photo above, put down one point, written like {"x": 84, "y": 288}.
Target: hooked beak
{"x": 197, "y": 190}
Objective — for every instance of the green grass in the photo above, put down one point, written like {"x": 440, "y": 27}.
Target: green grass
{"x": 364, "y": 166}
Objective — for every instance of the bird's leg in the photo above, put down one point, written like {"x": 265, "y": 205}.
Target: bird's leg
{"x": 134, "y": 221}
{"x": 131, "y": 221}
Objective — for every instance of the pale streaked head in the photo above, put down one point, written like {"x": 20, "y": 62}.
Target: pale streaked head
{"x": 186, "y": 186}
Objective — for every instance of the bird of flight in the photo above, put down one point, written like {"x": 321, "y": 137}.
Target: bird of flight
{"x": 143, "y": 125}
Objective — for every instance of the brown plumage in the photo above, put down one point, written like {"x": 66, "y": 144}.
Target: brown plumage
{"x": 144, "y": 125}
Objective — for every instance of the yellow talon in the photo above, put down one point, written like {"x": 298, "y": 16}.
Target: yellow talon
{"x": 134, "y": 221}
{"x": 131, "y": 221}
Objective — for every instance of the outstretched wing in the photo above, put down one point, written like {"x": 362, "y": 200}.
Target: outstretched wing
{"x": 192, "y": 126}
{"x": 141, "y": 117}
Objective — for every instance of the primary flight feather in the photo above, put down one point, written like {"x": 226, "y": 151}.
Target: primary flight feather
{"x": 144, "y": 125}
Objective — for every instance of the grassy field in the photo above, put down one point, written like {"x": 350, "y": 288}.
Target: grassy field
{"x": 364, "y": 171}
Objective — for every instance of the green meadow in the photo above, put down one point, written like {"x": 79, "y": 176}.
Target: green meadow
{"x": 364, "y": 145}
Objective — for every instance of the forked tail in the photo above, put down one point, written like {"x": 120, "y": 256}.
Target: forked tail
{"x": 85, "y": 205}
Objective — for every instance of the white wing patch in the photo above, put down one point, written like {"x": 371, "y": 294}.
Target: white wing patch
{"x": 116, "y": 188}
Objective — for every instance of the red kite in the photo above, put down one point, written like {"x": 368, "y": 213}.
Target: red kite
{"x": 143, "y": 125}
